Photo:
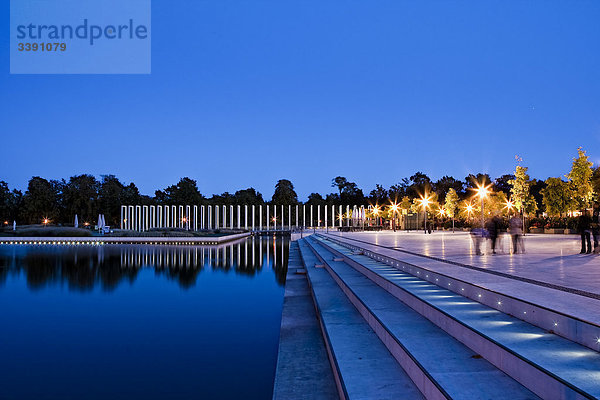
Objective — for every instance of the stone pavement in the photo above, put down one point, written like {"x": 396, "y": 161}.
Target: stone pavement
{"x": 553, "y": 259}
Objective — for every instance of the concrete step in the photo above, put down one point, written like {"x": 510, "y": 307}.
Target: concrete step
{"x": 568, "y": 314}
{"x": 303, "y": 369}
{"x": 362, "y": 366}
{"x": 440, "y": 366}
{"x": 549, "y": 365}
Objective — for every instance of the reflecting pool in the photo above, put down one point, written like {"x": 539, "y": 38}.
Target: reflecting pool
{"x": 140, "y": 321}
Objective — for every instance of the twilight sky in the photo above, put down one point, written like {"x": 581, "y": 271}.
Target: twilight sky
{"x": 243, "y": 93}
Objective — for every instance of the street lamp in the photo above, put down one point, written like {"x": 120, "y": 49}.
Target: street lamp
{"x": 394, "y": 208}
{"x": 469, "y": 209}
{"x": 482, "y": 191}
{"x": 509, "y": 205}
{"x": 45, "y": 221}
{"x": 425, "y": 203}
{"x": 376, "y": 212}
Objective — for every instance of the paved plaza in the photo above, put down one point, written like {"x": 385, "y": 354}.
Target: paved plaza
{"x": 553, "y": 259}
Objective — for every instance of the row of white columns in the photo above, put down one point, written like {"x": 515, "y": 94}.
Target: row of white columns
{"x": 145, "y": 217}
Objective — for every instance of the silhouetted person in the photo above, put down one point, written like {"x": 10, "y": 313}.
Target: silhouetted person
{"x": 584, "y": 229}
{"x": 516, "y": 231}
{"x": 493, "y": 226}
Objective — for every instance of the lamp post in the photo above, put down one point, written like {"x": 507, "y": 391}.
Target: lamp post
{"x": 376, "y": 212}
{"x": 424, "y": 204}
{"x": 482, "y": 192}
{"x": 469, "y": 209}
{"x": 394, "y": 207}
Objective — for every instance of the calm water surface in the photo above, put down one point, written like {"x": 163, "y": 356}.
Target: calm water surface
{"x": 140, "y": 321}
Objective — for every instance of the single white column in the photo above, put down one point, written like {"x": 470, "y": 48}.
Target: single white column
{"x": 152, "y": 217}
{"x": 253, "y": 213}
{"x": 260, "y": 217}
{"x": 230, "y": 217}
{"x": 347, "y": 215}
{"x": 290, "y": 217}
{"x": 303, "y": 215}
{"x": 195, "y": 218}
{"x": 167, "y": 216}
{"x": 174, "y": 217}
{"x": 181, "y": 217}
{"x": 123, "y": 212}
{"x": 326, "y": 223}
{"x": 217, "y": 217}
{"x": 209, "y": 218}
{"x": 145, "y": 218}
{"x": 319, "y": 215}
{"x": 341, "y": 218}
{"x": 188, "y": 217}
{"x": 297, "y": 216}
{"x": 311, "y": 216}
{"x": 138, "y": 218}
{"x": 246, "y": 216}
{"x": 333, "y": 216}
{"x": 275, "y": 218}
{"x": 202, "y": 217}
{"x": 224, "y": 217}
{"x": 130, "y": 217}
{"x": 268, "y": 217}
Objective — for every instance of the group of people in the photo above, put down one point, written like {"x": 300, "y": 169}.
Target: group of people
{"x": 589, "y": 227}
{"x": 492, "y": 230}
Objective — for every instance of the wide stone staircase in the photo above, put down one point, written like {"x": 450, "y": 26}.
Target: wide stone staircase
{"x": 394, "y": 330}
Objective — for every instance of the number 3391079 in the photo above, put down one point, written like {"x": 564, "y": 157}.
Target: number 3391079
{"x": 42, "y": 46}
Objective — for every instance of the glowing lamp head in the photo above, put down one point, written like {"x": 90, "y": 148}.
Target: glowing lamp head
{"x": 482, "y": 190}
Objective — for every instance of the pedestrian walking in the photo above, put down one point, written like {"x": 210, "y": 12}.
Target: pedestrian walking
{"x": 584, "y": 229}
{"x": 493, "y": 227}
{"x": 516, "y": 231}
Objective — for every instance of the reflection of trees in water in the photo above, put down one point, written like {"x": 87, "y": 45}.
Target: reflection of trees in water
{"x": 82, "y": 267}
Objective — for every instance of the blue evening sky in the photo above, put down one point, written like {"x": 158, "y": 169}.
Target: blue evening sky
{"x": 243, "y": 93}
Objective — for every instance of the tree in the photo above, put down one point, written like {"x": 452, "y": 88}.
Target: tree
{"x": 521, "y": 197}
{"x": 472, "y": 181}
{"x": 340, "y": 182}
{"x": 379, "y": 195}
{"x": 398, "y": 190}
{"x": 109, "y": 199}
{"x": 40, "y": 201}
{"x": 451, "y": 204}
{"x": 557, "y": 196}
{"x": 80, "y": 196}
{"x": 420, "y": 185}
{"x": 351, "y": 194}
{"x": 9, "y": 203}
{"x": 502, "y": 183}
{"x": 284, "y": 193}
{"x": 580, "y": 178}
{"x": 315, "y": 199}
{"x": 444, "y": 184}
{"x": 248, "y": 196}
{"x": 184, "y": 193}
{"x": 537, "y": 185}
